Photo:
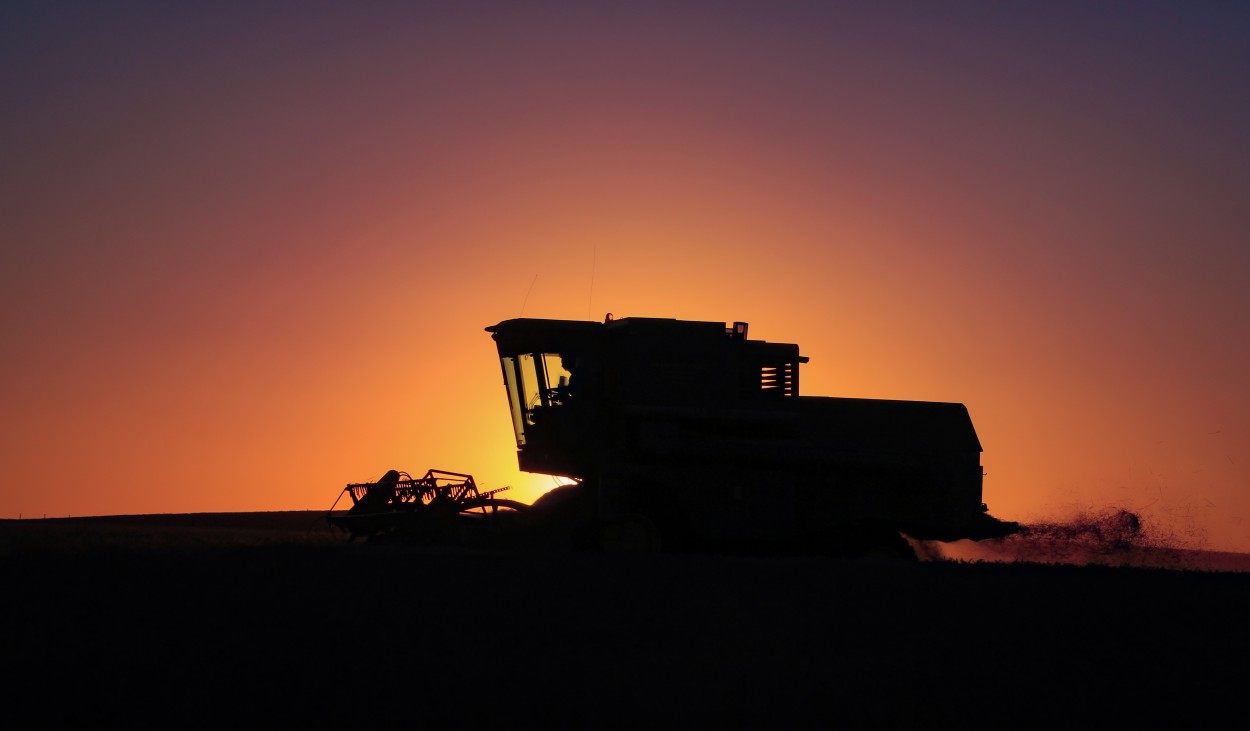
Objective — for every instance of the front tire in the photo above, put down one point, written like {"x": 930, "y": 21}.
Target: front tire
{"x": 634, "y": 534}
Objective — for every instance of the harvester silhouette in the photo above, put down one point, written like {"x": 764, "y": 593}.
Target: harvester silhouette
{"x": 685, "y": 435}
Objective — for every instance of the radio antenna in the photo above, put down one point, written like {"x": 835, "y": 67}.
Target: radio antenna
{"x": 590, "y": 299}
{"x": 527, "y": 296}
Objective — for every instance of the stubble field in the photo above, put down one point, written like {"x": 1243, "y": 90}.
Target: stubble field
{"x": 225, "y": 619}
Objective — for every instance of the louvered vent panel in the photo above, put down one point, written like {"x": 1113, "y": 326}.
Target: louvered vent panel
{"x": 778, "y": 379}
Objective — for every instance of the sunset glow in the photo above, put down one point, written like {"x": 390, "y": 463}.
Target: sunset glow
{"x": 248, "y": 255}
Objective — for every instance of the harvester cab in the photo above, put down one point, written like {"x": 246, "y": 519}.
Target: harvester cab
{"x": 687, "y": 433}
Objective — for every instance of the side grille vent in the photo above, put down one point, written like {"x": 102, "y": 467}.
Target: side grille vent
{"x": 779, "y": 380}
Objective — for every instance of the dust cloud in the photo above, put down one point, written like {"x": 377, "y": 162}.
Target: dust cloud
{"x": 1110, "y": 537}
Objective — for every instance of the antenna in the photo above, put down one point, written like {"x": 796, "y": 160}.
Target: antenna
{"x": 527, "y": 296}
{"x": 590, "y": 300}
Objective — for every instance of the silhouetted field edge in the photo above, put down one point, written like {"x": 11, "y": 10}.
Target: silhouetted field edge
{"x": 293, "y": 529}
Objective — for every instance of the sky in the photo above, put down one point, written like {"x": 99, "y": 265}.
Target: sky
{"x": 249, "y": 250}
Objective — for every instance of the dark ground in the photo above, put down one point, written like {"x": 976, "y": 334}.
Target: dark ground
{"x": 211, "y": 621}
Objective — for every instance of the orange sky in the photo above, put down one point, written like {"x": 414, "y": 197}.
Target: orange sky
{"x": 249, "y": 255}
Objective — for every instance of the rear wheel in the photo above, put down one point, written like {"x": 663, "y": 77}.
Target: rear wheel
{"x": 873, "y": 542}
{"x": 892, "y": 545}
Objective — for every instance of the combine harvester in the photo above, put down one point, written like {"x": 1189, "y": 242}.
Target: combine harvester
{"x": 682, "y": 435}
